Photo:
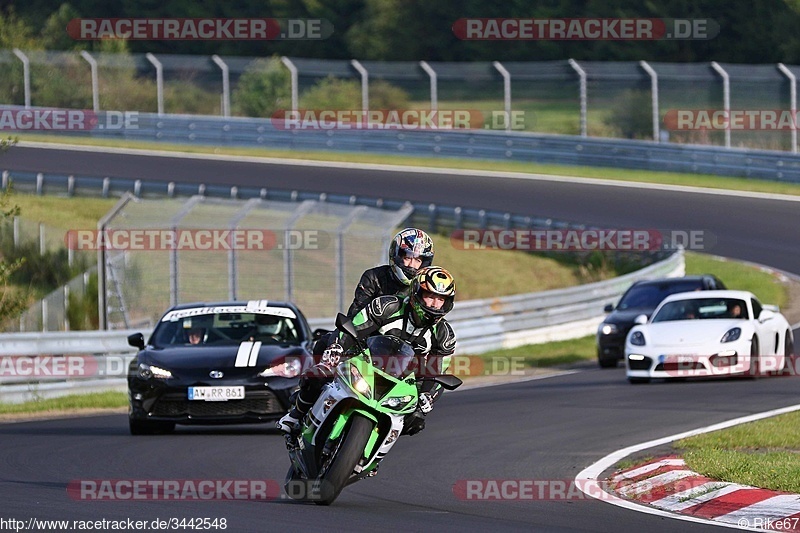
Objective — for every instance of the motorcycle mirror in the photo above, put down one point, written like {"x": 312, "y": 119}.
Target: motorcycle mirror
{"x": 448, "y": 381}
{"x": 345, "y": 325}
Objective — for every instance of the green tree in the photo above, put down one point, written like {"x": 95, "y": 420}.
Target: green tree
{"x": 54, "y": 32}
{"x": 263, "y": 89}
{"x": 11, "y": 302}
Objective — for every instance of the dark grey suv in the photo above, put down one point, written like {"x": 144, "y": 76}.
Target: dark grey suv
{"x": 641, "y": 298}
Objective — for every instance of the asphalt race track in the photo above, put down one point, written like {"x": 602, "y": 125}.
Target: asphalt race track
{"x": 545, "y": 430}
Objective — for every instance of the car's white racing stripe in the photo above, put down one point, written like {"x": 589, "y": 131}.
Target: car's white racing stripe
{"x": 243, "y": 355}
{"x": 254, "y": 354}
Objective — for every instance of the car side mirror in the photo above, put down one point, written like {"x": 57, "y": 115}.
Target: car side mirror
{"x": 345, "y": 325}
{"x": 765, "y": 315}
{"x": 608, "y": 308}
{"x": 318, "y": 333}
{"x": 640, "y": 320}
{"x": 136, "y": 340}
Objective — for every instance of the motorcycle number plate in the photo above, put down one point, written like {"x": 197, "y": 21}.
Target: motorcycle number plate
{"x": 216, "y": 394}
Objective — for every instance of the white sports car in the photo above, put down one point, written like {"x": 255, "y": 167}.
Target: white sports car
{"x": 708, "y": 333}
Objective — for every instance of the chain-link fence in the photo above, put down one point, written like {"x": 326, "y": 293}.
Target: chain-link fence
{"x": 158, "y": 253}
{"x": 605, "y": 99}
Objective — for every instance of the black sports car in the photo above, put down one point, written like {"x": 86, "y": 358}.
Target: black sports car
{"x": 217, "y": 363}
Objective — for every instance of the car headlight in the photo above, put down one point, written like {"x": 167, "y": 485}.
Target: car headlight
{"x": 359, "y": 383}
{"x": 731, "y": 335}
{"x": 289, "y": 369}
{"x": 637, "y": 338}
{"x": 397, "y": 402}
{"x": 149, "y": 371}
{"x": 608, "y": 329}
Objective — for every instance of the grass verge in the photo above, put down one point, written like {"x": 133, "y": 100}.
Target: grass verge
{"x": 74, "y": 402}
{"x": 765, "y": 453}
{"x": 669, "y": 178}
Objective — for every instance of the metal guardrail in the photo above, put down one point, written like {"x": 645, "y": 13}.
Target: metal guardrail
{"x": 477, "y": 144}
{"x": 480, "y": 325}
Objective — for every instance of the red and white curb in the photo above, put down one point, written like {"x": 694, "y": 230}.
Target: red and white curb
{"x": 666, "y": 488}
{"x": 668, "y": 484}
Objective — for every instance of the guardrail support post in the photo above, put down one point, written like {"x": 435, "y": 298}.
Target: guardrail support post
{"x": 159, "y": 81}
{"x": 364, "y": 84}
{"x": 95, "y": 81}
{"x": 654, "y": 95}
{"x": 726, "y": 99}
{"x": 226, "y": 85}
{"x": 434, "y": 84}
{"x": 506, "y": 91}
{"x": 582, "y": 75}
{"x": 293, "y": 72}
{"x": 26, "y": 75}
{"x": 792, "y": 102}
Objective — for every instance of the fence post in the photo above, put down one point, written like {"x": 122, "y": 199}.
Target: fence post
{"x": 42, "y": 243}
{"x": 364, "y": 84}
{"x": 66, "y": 307}
{"x": 26, "y": 75}
{"x": 792, "y": 101}
{"x": 159, "y": 81}
{"x": 16, "y": 232}
{"x": 226, "y": 85}
{"x": 95, "y": 82}
{"x": 506, "y": 91}
{"x": 654, "y": 95}
{"x": 726, "y": 99}
{"x": 582, "y": 75}
{"x": 434, "y": 84}
{"x": 293, "y": 72}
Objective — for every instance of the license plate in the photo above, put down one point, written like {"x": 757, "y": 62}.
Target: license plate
{"x": 216, "y": 394}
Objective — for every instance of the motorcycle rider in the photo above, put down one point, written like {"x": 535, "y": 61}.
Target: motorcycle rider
{"x": 410, "y": 250}
{"x": 417, "y": 319}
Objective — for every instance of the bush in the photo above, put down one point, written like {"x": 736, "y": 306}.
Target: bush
{"x": 334, "y": 94}
{"x": 632, "y": 115}
{"x": 264, "y": 88}
{"x": 82, "y": 311}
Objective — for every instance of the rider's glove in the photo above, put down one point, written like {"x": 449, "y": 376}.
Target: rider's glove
{"x": 332, "y": 354}
{"x": 425, "y": 402}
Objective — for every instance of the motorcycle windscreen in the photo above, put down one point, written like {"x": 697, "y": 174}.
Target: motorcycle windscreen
{"x": 392, "y": 355}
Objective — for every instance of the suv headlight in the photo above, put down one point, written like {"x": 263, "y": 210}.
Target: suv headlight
{"x": 608, "y": 329}
{"x": 637, "y": 338}
{"x": 731, "y": 335}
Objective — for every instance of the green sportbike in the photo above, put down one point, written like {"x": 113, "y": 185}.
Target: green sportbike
{"x": 357, "y": 419}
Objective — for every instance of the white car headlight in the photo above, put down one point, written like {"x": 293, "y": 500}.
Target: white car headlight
{"x": 637, "y": 338}
{"x": 731, "y": 335}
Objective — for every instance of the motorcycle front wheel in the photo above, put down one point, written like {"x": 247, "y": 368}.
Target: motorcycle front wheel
{"x": 344, "y": 461}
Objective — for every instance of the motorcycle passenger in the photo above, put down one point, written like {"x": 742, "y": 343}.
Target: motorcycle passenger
{"x": 410, "y": 250}
{"x": 417, "y": 319}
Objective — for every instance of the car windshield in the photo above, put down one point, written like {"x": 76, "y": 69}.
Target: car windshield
{"x": 392, "y": 355}
{"x": 649, "y": 295}
{"x": 196, "y": 327}
{"x": 702, "y": 308}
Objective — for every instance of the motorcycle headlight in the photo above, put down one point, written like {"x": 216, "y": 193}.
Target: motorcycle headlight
{"x": 637, "y": 338}
{"x": 731, "y": 335}
{"x": 608, "y": 329}
{"x": 289, "y": 369}
{"x": 359, "y": 383}
{"x": 397, "y": 402}
{"x": 149, "y": 371}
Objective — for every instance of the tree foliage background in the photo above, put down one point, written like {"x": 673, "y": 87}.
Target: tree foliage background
{"x": 751, "y": 32}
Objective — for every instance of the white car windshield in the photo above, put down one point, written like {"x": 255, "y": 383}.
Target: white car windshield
{"x": 702, "y": 308}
